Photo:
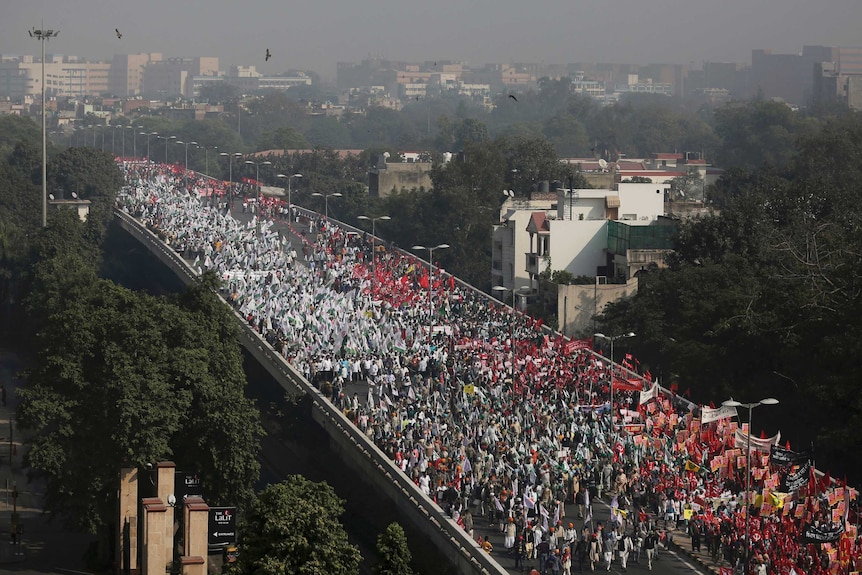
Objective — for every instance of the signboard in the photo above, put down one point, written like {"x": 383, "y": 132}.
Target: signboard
{"x": 222, "y": 526}
{"x": 187, "y": 484}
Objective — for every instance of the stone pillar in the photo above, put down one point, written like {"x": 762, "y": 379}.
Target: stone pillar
{"x": 197, "y": 516}
{"x": 127, "y": 534}
{"x": 154, "y": 536}
{"x": 165, "y": 489}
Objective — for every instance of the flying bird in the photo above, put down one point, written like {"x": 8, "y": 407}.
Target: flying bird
{"x": 268, "y": 55}
{"x": 117, "y": 30}
{"x": 513, "y": 97}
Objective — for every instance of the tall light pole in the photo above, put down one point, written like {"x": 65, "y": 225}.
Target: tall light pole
{"x": 430, "y": 281}
{"x": 167, "y": 140}
{"x": 326, "y": 200}
{"x": 43, "y": 36}
{"x": 257, "y": 166}
{"x": 750, "y": 406}
{"x": 148, "y": 134}
{"x": 612, "y": 339}
{"x": 288, "y": 178}
{"x": 135, "y": 140}
{"x": 373, "y": 236}
{"x": 187, "y": 144}
{"x": 207, "y": 158}
{"x": 230, "y": 171}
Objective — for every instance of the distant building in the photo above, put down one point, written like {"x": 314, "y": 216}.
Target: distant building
{"x": 385, "y": 177}
{"x": 127, "y": 73}
{"x": 172, "y": 77}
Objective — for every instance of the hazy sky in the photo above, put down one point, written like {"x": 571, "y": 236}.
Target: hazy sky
{"x": 315, "y": 34}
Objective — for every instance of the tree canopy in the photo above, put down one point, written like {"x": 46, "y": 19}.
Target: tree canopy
{"x": 293, "y": 527}
{"x": 764, "y": 297}
{"x": 123, "y": 378}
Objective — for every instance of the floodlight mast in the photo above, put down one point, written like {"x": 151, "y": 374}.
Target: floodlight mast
{"x": 43, "y": 36}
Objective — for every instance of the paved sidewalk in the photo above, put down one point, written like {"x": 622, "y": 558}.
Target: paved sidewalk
{"x": 682, "y": 542}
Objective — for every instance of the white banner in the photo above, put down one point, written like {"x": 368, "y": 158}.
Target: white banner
{"x": 741, "y": 441}
{"x": 648, "y": 395}
{"x": 708, "y": 414}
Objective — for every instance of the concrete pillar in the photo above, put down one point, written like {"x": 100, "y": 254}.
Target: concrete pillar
{"x": 196, "y": 515}
{"x": 165, "y": 489}
{"x": 154, "y": 536}
{"x": 127, "y": 534}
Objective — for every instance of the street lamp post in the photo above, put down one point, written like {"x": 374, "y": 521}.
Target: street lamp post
{"x": 257, "y": 166}
{"x": 612, "y": 339}
{"x": 750, "y": 406}
{"x": 148, "y": 134}
{"x": 288, "y": 178}
{"x": 187, "y": 144}
{"x": 43, "y": 36}
{"x": 430, "y": 281}
{"x": 207, "y": 158}
{"x": 230, "y": 172}
{"x": 326, "y": 200}
{"x": 373, "y": 237}
{"x": 167, "y": 140}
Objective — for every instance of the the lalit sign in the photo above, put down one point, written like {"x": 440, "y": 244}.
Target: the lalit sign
{"x": 222, "y": 526}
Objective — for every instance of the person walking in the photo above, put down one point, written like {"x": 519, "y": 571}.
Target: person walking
{"x": 624, "y": 547}
{"x": 650, "y": 543}
{"x": 608, "y": 548}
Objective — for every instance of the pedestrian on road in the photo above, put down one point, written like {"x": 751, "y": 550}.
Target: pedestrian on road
{"x": 624, "y": 547}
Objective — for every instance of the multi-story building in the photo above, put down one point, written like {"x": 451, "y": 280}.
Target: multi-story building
{"x": 20, "y": 77}
{"x": 127, "y": 73}
{"x": 172, "y": 77}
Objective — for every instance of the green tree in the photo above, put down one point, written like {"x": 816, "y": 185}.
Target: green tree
{"x": 104, "y": 357}
{"x": 293, "y": 527}
{"x": 394, "y": 554}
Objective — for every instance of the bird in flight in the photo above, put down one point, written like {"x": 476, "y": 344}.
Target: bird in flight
{"x": 513, "y": 97}
{"x": 268, "y": 55}
{"x": 117, "y": 30}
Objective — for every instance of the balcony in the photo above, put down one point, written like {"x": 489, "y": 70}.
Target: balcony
{"x": 532, "y": 267}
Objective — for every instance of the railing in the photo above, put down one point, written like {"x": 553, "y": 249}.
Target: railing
{"x": 427, "y": 516}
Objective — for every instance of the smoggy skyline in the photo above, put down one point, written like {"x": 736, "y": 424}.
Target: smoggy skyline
{"x": 315, "y": 35}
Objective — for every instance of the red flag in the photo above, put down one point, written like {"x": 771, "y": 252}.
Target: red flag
{"x": 423, "y": 282}
{"x": 762, "y": 434}
{"x": 711, "y": 405}
{"x": 674, "y": 388}
{"x": 687, "y": 392}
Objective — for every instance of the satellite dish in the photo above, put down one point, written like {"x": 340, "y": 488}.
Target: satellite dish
{"x": 51, "y": 197}
{"x": 74, "y": 195}
{"x": 603, "y": 164}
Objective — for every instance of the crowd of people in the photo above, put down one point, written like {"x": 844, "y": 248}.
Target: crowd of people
{"x": 489, "y": 413}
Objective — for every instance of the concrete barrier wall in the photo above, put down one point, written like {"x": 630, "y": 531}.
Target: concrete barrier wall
{"x": 355, "y": 448}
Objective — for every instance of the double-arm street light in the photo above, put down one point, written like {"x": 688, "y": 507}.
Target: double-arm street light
{"x": 733, "y": 403}
{"x": 373, "y": 237}
{"x": 257, "y": 166}
{"x": 167, "y": 140}
{"x": 326, "y": 200}
{"x": 148, "y": 134}
{"x": 207, "y": 158}
{"x": 288, "y": 178}
{"x": 43, "y": 36}
{"x": 430, "y": 281}
{"x": 187, "y": 144}
{"x": 230, "y": 171}
{"x": 612, "y": 339}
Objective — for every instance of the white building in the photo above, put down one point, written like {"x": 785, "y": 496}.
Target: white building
{"x": 568, "y": 233}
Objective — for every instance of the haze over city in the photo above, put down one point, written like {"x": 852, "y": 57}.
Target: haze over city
{"x": 316, "y": 35}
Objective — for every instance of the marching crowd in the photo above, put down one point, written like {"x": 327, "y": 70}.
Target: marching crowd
{"x": 489, "y": 414}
